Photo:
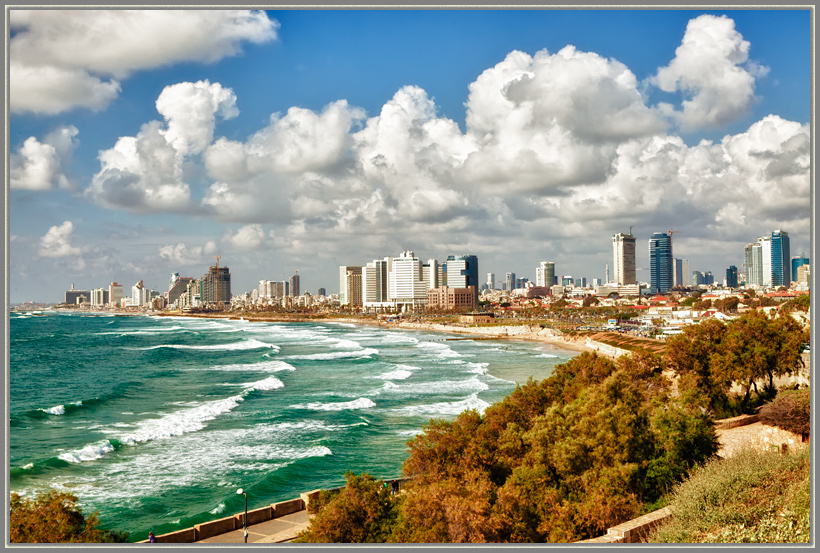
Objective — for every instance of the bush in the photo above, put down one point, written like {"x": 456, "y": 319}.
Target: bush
{"x": 791, "y": 411}
{"x": 53, "y": 517}
{"x": 362, "y": 512}
{"x": 753, "y": 496}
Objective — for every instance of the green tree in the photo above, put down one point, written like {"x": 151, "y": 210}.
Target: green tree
{"x": 54, "y": 517}
{"x": 362, "y": 512}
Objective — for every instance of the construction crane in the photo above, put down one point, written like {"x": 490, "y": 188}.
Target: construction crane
{"x": 670, "y": 236}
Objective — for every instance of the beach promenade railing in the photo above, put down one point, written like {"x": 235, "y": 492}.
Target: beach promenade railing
{"x": 224, "y": 525}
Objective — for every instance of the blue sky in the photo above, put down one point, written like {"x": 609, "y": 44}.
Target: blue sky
{"x": 420, "y": 130}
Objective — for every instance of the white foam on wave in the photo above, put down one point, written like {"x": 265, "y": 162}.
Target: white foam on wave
{"x": 219, "y": 508}
{"x": 398, "y": 374}
{"x": 547, "y": 355}
{"x": 263, "y": 366}
{"x": 361, "y": 403}
{"x": 356, "y": 354}
{"x": 478, "y": 368}
{"x": 91, "y": 452}
{"x": 60, "y": 409}
{"x": 390, "y": 338}
{"x": 444, "y": 408}
{"x": 233, "y": 346}
{"x": 438, "y": 349}
{"x": 270, "y": 383}
{"x": 440, "y": 387}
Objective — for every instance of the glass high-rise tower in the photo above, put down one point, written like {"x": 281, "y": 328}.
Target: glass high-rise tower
{"x": 781, "y": 259}
{"x": 660, "y": 263}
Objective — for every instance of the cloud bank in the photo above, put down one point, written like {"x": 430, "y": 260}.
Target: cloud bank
{"x": 66, "y": 59}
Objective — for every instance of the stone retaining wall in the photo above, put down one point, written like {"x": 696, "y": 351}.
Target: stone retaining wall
{"x": 635, "y": 530}
{"x": 236, "y": 522}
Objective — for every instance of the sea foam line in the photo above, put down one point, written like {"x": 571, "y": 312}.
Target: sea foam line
{"x": 173, "y": 424}
{"x": 361, "y": 403}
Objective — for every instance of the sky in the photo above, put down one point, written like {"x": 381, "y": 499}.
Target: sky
{"x": 143, "y": 143}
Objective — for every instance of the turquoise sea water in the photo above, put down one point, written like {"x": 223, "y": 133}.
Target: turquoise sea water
{"x": 156, "y": 421}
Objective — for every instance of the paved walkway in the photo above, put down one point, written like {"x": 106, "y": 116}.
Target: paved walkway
{"x": 276, "y": 530}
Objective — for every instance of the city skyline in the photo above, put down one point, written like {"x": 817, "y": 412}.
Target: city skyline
{"x": 516, "y": 135}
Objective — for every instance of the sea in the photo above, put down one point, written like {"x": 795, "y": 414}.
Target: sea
{"x": 155, "y": 422}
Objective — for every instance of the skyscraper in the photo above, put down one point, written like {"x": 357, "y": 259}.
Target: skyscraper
{"x": 406, "y": 281}
{"x": 491, "y": 281}
{"x": 731, "y": 277}
{"x": 374, "y": 282}
{"x": 462, "y": 271}
{"x": 545, "y": 274}
{"x": 781, "y": 259}
{"x": 798, "y": 261}
{"x": 660, "y": 262}
{"x": 350, "y": 285}
{"x": 677, "y": 280}
{"x": 216, "y": 286}
{"x": 294, "y": 285}
{"x": 753, "y": 264}
{"x": 510, "y": 282}
{"x": 623, "y": 249}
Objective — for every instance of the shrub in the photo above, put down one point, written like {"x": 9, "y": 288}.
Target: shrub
{"x": 54, "y": 517}
{"x": 752, "y": 496}
{"x": 362, "y": 512}
{"x": 791, "y": 411}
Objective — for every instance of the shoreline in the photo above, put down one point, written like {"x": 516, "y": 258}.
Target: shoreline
{"x": 530, "y": 333}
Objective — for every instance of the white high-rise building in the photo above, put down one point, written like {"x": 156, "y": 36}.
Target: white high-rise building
{"x": 374, "y": 283}
{"x": 766, "y": 257}
{"x": 491, "y": 281}
{"x": 432, "y": 274}
{"x": 406, "y": 282}
{"x": 623, "y": 250}
{"x": 545, "y": 274}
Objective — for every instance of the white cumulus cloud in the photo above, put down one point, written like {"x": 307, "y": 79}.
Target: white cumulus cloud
{"x": 712, "y": 68}
{"x": 146, "y": 172}
{"x": 39, "y": 165}
{"x": 249, "y": 237}
{"x": 57, "y": 241}
{"x": 64, "y": 59}
{"x": 182, "y": 255}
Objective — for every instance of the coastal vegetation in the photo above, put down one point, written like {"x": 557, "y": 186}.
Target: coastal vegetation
{"x": 751, "y": 497}
{"x": 597, "y": 443}
{"x": 559, "y": 460}
{"x": 55, "y": 517}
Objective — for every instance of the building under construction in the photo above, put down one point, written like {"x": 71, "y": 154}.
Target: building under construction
{"x": 215, "y": 286}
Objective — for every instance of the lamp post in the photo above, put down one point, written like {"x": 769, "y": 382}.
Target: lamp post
{"x": 240, "y": 491}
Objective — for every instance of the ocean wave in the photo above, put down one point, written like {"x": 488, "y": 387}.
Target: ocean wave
{"x": 547, "y": 355}
{"x": 233, "y": 346}
{"x": 61, "y": 409}
{"x": 263, "y": 366}
{"x": 367, "y": 352}
{"x": 361, "y": 403}
{"x": 91, "y": 452}
{"x": 444, "y": 408}
{"x": 398, "y": 374}
{"x": 439, "y": 387}
{"x": 183, "y": 421}
{"x": 478, "y": 368}
{"x": 438, "y": 349}
{"x": 219, "y": 509}
{"x": 271, "y": 383}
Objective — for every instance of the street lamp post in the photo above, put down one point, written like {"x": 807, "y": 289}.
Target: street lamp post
{"x": 240, "y": 491}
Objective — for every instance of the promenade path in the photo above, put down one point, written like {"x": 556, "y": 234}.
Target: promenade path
{"x": 277, "y": 530}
